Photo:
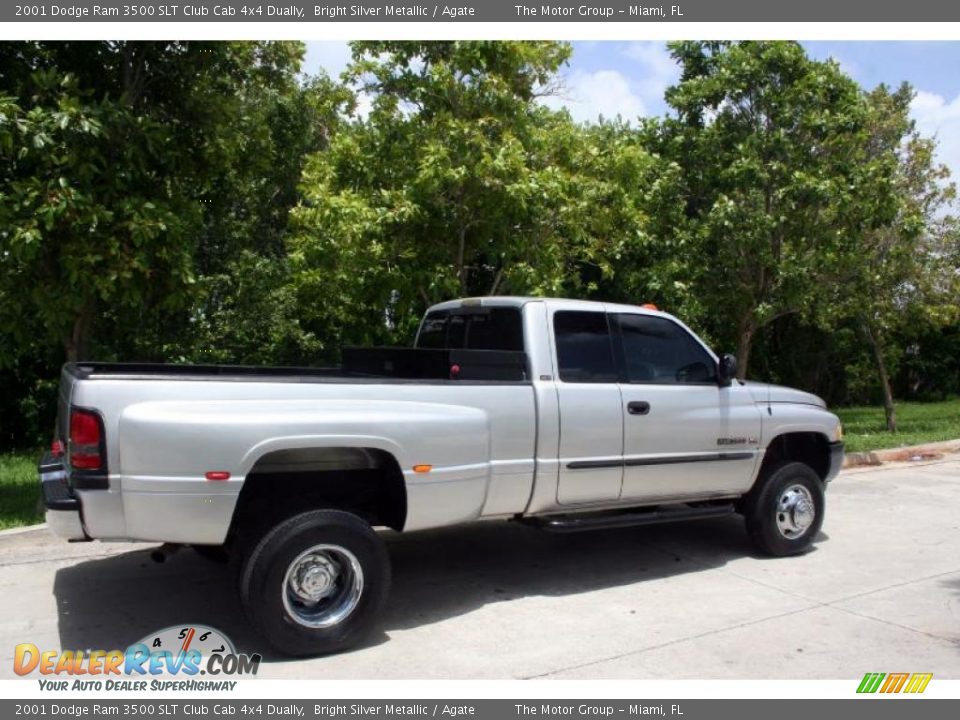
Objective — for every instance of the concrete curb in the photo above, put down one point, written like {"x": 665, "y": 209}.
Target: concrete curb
{"x": 911, "y": 453}
{"x": 22, "y": 529}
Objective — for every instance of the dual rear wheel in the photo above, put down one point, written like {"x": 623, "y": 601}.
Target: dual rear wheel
{"x": 316, "y": 583}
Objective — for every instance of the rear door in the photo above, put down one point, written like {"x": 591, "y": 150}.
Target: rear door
{"x": 591, "y": 418}
{"x": 684, "y": 435}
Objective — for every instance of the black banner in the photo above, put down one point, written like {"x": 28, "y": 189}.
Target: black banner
{"x": 477, "y": 11}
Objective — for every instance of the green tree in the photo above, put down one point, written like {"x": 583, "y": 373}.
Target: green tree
{"x": 243, "y": 308}
{"x": 903, "y": 274}
{"x": 773, "y": 148}
{"x": 120, "y": 177}
{"x": 459, "y": 182}
{"x": 86, "y": 221}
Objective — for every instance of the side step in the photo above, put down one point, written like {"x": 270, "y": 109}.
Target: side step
{"x": 629, "y": 518}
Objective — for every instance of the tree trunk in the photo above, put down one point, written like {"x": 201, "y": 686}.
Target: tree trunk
{"x": 132, "y": 74}
{"x": 77, "y": 346}
{"x": 889, "y": 409}
{"x": 496, "y": 282}
{"x": 461, "y": 259}
{"x": 745, "y": 332}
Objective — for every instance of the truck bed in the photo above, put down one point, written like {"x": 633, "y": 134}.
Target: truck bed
{"x": 360, "y": 365}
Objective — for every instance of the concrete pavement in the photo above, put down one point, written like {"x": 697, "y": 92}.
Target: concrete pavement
{"x": 879, "y": 592}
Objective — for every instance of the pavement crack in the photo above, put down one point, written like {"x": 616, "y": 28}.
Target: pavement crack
{"x": 722, "y": 568}
{"x": 53, "y": 561}
{"x": 668, "y": 643}
{"x": 834, "y": 604}
{"x": 891, "y": 623}
{"x": 892, "y": 587}
{"x": 801, "y": 596}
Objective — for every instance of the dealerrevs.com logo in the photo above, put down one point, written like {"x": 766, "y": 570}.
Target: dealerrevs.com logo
{"x": 181, "y": 651}
{"x": 888, "y": 683}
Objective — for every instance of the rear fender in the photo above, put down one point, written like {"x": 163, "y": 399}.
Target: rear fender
{"x": 166, "y": 449}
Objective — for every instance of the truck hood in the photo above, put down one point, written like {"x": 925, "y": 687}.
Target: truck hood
{"x": 765, "y": 392}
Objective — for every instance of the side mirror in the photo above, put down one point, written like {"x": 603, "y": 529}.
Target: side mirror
{"x": 726, "y": 369}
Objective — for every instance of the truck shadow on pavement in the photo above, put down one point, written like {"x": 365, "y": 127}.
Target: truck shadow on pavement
{"x": 112, "y": 602}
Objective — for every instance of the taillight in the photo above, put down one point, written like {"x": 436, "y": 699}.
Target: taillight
{"x": 56, "y": 448}
{"x": 86, "y": 439}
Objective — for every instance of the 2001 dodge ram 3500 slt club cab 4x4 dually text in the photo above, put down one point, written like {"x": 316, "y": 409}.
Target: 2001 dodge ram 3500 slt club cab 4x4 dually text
{"x": 565, "y": 414}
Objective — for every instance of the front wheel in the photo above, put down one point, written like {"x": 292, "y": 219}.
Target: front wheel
{"x": 784, "y": 512}
{"x": 316, "y": 583}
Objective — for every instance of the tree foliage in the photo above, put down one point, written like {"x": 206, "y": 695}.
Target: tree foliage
{"x": 120, "y": 180}
{"x": 190, "y": 201}
{"x": 904, "y": 272}
{"x": 460, "y": 183}
{"x": 781, "y": 186}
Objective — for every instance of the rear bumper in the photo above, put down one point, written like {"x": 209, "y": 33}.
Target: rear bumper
{"x": 66, "y": 524}
{"x": 64, "y": 515}
{"x": 836, "y": 460}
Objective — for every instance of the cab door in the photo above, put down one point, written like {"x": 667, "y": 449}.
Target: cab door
{"x": 685, "y": 436}
{"x": 591, "y": 415}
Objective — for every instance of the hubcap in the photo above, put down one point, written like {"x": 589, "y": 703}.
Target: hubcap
{"x": 795, "y": 512}
{"x": 322, "y": 586}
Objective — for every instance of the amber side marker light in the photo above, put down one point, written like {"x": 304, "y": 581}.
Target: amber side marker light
{"x": 422, "y": 468}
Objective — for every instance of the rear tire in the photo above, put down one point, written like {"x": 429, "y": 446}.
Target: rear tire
{"x": 316, "y": 583}
{"x": 784, "y": 511}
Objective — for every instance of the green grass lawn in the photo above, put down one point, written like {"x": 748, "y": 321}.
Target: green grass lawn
{"x": 917, "y": 423}
{"x": 863, "y": 428}
{"x": 19, "y": 490}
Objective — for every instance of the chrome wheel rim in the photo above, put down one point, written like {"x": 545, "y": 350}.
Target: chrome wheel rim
{"x": 795, "y": 512}
{"x": 322, "y": 586}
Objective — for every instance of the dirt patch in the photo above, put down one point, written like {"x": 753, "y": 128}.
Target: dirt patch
{"x": 913, "y": 455}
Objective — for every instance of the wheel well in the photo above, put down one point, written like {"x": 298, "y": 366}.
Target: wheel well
{"x": 365, "y": 481}
{"x": 810, "y": 448}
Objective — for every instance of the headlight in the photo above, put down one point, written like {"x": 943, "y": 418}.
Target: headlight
{"x": 838, "y": 435}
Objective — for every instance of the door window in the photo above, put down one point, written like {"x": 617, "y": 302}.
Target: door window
{"x": 657, "y": 350}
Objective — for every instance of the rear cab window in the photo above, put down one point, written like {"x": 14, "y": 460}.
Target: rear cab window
{"x": 483, "y": 328}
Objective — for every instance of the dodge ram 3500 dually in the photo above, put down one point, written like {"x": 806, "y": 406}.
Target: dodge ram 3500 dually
{"x": 568, "y": 415}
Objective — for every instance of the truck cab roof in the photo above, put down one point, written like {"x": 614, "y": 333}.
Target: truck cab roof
{"x": 564, "y": 303}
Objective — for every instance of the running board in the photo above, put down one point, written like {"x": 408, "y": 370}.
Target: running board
{"x": 597, "y": 521}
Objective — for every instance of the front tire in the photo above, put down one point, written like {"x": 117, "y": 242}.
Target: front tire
{"x": 316, "y": 583}
{"x": 784, "y": 512}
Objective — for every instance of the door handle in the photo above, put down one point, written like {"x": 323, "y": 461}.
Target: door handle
{"x": 638, "y": 407}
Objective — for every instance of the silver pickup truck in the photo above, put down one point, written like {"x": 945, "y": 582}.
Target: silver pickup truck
{"x": 568, "y": 415}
